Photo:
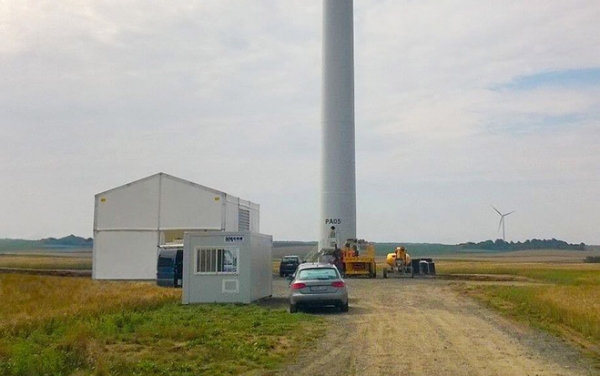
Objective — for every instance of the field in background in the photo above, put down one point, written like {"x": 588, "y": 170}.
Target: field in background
{"x": 564, "y": 298}
{"x": 47, "y": 261}
{"x": 63, "y": 325}
{"x": 382, "y": 249}
{"x": 444, "y": 251}
{"x": 81, "y": 259}
{"x": 535, "y": 255}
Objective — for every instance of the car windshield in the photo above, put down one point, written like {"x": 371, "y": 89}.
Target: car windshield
{"x": 317, "y": 273}
{"x": 290, "y": 259}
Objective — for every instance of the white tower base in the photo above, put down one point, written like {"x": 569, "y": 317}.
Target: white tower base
{"x": 338, "y": 176}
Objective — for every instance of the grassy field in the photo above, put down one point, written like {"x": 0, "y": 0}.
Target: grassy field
{"x": 62, "y": 325}
{"x": 79, "y": 261}
{"x": 565, "y": 300}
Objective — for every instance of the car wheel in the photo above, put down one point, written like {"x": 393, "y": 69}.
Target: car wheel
{"x": 293, "y": 308}
{"x": 281, "y": 274}
{"x": 344, "y": 307}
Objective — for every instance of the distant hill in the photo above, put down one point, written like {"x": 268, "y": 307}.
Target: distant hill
{"x": 68, "y": 242}
{"x": 18, "y": 244}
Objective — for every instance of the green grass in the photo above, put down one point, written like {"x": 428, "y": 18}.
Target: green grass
{"x": 64, "y": 326}
{"x": 172, "y": 339}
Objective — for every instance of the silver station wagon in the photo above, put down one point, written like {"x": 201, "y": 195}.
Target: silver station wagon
{"x": 318, "y": 285}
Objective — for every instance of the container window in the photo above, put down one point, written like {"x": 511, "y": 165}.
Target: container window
{"x": 217, "y": 260}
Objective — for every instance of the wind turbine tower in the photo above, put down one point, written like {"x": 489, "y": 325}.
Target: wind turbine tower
{"x": 502, "y": 221}
{"x": 338, "y": 172}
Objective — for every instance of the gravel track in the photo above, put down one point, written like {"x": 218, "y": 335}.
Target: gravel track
{"x": 424, "y": 327}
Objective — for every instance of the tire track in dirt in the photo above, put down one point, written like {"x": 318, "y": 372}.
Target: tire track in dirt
{"x": 422, "y": 327}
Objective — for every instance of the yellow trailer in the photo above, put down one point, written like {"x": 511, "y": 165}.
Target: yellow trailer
{"x": 358, "y": 259}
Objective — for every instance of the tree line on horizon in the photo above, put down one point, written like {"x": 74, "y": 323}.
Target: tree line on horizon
{"x": 502, "y": 245}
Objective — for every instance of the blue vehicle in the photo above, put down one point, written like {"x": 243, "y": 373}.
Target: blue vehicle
{"x": 169, "y": 272}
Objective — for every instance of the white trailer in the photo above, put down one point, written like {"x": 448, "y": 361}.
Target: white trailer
{"x": 133, "y": 220}
{"x": 227, "y": 267}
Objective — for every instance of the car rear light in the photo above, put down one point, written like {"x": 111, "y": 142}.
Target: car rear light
{"x": 338, "y": 284}
{"x": 298, "y": 285}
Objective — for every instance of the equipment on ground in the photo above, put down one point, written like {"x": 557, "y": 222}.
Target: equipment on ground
{"x": 400, "y": 264}
{"x": 355, "y": 258}
{"x": 358, "y": 259}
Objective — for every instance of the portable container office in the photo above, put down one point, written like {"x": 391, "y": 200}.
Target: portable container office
{"x": 133, "y": 220}
{"x": 229, "y": 267}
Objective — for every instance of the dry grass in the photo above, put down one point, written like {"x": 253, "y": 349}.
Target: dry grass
{"x": 452, "y": 266}
{"x": 567, "y": 301}
{"x": 563, "y": 274}
{"x": 575, "y": 306}
{"x": 29, "y": 299}
{"x": 46, "y": 262}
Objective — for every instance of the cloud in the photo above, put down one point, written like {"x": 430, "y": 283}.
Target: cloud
{"x": 458, "y": 104}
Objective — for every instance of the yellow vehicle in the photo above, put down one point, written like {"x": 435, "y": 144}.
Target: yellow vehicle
{"x": 358, "y": 259}
{"x": 400, "y": 263}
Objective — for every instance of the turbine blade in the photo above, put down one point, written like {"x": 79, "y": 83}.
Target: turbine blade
{"x": 509, "y": 213}
{"x": 497, "y": 211}
{"x": 500, "y": 224}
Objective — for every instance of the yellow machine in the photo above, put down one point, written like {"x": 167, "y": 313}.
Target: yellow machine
{"x": 358, "y": 258}
{"x": 399, "y": 257}
{"x": 400, "y": 263}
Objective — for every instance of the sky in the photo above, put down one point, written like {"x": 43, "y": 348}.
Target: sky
{"x": 460, "y": 105}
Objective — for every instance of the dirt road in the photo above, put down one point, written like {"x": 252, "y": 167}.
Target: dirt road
{"x": 423, "y": 327}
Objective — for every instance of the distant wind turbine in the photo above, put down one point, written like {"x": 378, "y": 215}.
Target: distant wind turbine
{"x": 502, "y": 221}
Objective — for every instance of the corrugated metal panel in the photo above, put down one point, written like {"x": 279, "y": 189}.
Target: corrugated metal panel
{"x": 231, "y": 213}
{"x": 243, "y": 219}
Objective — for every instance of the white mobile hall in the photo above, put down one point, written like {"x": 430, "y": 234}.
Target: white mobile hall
{"x": 133, "y": 220}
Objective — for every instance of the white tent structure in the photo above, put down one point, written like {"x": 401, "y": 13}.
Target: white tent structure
{"x": 133, "y": 220}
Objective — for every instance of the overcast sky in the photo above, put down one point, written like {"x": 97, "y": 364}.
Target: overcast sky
{"x": 459, "y": 105}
